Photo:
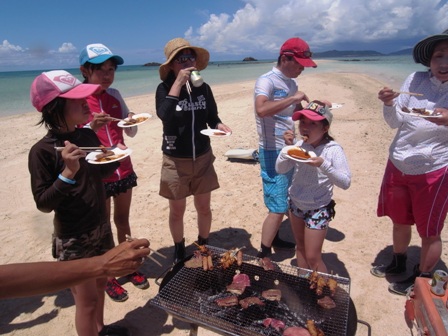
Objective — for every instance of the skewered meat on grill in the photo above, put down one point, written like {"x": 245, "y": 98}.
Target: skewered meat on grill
{"x": 313, "y": 330}
{"x": 267, "y": 264}
{"x": 296, "y": 331}
{"x": 332, "y": 286}
{"x": 317, "y": 282}
{"x": 250, "y": 301}
{"x": 274, "y": 323}
{"x": 228, "y": 301}
{"x": 326, "y": 302}
{"x": 229, "y": 257}
{"x": 239, "y": 284}
{"x": 272, "y": 294}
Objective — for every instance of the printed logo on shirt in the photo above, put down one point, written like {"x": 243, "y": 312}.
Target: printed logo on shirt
{"x": 170, "y": 140}
{"x": 280, "y": 93}
{"x": 201, "y": 104}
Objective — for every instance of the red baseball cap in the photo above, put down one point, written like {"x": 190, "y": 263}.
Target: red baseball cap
{"x": 300, "y": 50}
{"x": 314, "y": 111}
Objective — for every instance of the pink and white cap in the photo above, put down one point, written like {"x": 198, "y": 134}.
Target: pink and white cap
{"x": 58, "y": 83}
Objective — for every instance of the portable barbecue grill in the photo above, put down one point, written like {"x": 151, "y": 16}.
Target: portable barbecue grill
{"x": 190, "y": 293}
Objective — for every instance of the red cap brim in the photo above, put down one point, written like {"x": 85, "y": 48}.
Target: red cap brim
{"x": 307, "y": 113}
{"x": 306, "y": 62}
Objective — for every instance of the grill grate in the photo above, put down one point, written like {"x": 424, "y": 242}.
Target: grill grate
{"x": 191, "y": 292}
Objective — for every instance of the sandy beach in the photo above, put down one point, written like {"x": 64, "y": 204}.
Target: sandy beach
{"x": 356, "y": 240}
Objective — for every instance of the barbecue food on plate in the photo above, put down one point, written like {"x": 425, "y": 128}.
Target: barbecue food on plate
{"x": 137, "y": 120}
{"x": 298, "y": 153}
{"x": 250, "y": 301}
{"x": 313, "y": 330}
{"x": 326, "y": 302}
{"x": 296, "y": 331}
{"x": 272, "y": 294}
{"x": 228, "y": 301}
{"x": 274, "y": 323}
{"x": 267, "y": 264}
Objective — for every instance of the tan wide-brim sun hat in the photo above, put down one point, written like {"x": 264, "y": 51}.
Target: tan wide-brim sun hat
{"x": 424, "y": 49}
{"x": 173, "y": 47}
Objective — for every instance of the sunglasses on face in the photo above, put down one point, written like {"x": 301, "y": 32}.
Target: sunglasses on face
{"x": 181, "y": 59}
{"x": 299, "y": 54}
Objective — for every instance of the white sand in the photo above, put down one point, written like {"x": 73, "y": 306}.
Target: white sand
{"x": 356, "y": 240}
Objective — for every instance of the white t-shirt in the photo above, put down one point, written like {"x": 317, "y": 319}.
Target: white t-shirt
{"x": 275, "y": 86}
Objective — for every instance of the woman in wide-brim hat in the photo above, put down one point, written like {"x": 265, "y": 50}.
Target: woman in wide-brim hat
{"x": 173, "y": 47}
{"x": 187, "y": 168}
{"x": 415, "y": 182}
{"x": 424, "y": 49}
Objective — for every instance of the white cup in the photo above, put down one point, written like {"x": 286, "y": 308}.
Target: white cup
{"x": 196, "y": 78}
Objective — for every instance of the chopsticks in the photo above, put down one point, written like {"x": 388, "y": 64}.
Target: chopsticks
{"x": 410, "y": 93}
{"x": 188, "y": 87}
{"x": 129, "y": 239}
{"x": 87, "y": 149}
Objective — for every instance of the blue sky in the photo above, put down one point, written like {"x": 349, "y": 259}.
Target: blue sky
{"x": 49, "y": 34}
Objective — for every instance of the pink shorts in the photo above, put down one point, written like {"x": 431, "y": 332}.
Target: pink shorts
{"x": 420, "y": 199}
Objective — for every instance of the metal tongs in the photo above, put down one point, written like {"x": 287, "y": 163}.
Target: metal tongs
{"x": 129, "y": 239}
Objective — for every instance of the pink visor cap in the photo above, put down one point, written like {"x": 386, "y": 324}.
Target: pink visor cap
{"x": 314, "y": 111}
{"x": 58, "y": 83}
{"x": 300, "y": 50}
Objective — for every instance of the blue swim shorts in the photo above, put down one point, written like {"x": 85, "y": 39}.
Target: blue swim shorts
{"x": 275, "y": 186}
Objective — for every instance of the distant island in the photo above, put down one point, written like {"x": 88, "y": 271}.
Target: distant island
{"x": 348, "y": 55}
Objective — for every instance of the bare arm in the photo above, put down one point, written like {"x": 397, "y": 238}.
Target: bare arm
{"x": 266, "y": 108}
{"x": 27, "y": 279}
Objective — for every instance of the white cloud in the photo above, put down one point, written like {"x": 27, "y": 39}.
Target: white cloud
{"x": 7, "y": 47}
{"x": 67, "y": 48}
{"x": 263, "y": 25}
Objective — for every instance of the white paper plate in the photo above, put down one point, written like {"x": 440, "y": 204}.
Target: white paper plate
{"x": 215, "y": 133}
{"x": 119, "y": 155}
{"x": 430, "y": 115}
{"x": 336, "y": 106}
{"x": 285, "y": 151}
{"x": 135, "y": 116}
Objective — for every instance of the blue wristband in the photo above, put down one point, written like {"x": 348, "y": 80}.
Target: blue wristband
{"x": 66, "y": 180}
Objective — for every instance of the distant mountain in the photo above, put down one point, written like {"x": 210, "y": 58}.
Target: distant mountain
{"x": 358, "y": 53}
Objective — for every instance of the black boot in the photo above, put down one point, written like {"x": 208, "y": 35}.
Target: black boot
{"x": 281, "y": 244}
{"x": 264, "y": 251}
{"x": 202, "y": 241}
{"x": 179, "y": 251}
{"x": 396, "y": 266}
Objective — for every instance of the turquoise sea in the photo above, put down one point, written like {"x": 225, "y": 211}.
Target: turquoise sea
{"x": 136, "y": 80}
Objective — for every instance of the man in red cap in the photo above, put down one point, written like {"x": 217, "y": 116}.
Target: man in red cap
{"x": 276, "y": 97}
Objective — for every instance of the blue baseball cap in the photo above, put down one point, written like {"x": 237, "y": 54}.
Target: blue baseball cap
{"x": 98, "y": 53}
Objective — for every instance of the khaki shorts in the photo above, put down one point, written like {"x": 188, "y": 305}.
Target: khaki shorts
{"x": 182, "y": 177}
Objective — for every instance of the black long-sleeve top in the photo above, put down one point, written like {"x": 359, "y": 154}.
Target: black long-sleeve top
{"x": 184, "y": 119}
{"x": 79, "y": 207}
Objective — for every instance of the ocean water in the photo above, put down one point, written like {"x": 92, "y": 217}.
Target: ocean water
{"x": 139, "y": 80}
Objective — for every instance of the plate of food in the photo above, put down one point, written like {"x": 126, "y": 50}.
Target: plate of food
{"x": 421, "y": 112}
{"x": 298, "y": 154}
{"x": 107, "y": 156}
{"x": 211, "y": 132}
{"x": 136, "y": 119}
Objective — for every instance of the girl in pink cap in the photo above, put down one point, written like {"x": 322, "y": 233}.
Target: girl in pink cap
{"x": 63, "y": 182}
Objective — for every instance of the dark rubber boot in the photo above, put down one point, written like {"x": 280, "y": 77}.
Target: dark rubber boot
{"x": 202, "y": 241}
{"x": 397, "y": 266}
{"x": 179, "y": 251}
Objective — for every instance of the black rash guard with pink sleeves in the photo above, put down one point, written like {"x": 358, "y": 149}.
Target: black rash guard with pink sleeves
{"x": 183, "y": 119}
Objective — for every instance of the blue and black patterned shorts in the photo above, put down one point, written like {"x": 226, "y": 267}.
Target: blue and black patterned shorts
{"x": 318, "y": 219}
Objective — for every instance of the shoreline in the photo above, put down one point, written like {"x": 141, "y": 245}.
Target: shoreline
{"x": 357, "y": 238}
